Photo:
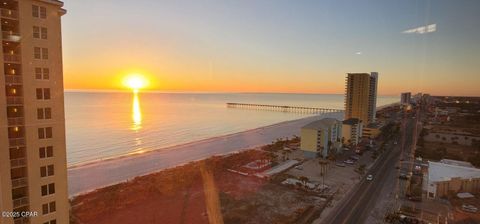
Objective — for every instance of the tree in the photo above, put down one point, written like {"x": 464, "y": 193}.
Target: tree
{"x": 304, "y": 180}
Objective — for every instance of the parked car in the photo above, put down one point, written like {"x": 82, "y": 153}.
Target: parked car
{"x": 350, "y": 162}
{"x": 470, "y": 208}
{"x": 354, "y": 157}
{"x": 369, "y": 177}
{"x": 340, "y": 164}
{"x": 299, "y": 167}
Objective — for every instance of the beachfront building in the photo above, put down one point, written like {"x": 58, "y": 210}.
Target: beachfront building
{"x": 372, "y": 130}
{"x": 406, "y": 98}
{"x": 321, "y": 137}
{"x": 352, "y": 131}
{"x": 451, "y": 177}
{"x": 361, "y": 96}
{"x": 33, "y": 175}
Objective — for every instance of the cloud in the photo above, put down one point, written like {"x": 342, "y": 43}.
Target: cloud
{"x": 358, "y": 53}
{"x": 422, "y": 29}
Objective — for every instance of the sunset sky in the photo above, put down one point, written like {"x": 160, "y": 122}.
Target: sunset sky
{"x": 273, "y": 45}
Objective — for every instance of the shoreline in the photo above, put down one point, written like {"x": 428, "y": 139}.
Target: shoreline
{"x": 168, "y": 148}
{"x": 93, "y": 175}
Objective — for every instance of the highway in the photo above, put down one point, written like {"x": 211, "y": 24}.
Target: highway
{"x": 356, "y": 207}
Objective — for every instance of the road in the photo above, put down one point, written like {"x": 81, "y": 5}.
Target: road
{"x": 364, "y": 197}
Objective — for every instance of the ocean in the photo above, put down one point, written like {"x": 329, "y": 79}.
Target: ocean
{"x": 103, "y": 125}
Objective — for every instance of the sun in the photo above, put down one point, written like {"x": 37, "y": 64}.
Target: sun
{"x": 135, "y": 81}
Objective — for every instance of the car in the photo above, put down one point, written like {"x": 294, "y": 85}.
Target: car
{"x": 369, "y": 177}
{"x": 469, "y": 208}
{"x": 354, "y": 157}
{"x": 350, "y": 162}
{"x": 299, "y": 167}
{"x": 340, "y": 164}
{"x": 403, "y": 176}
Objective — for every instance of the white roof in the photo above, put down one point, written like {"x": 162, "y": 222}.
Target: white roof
{"x": 279, "y": 168}
{"x": 438, "y": 171}
{"x": 456, "y": 163}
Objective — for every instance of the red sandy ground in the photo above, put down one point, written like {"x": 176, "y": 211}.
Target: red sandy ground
{"x": 170, "y": 196}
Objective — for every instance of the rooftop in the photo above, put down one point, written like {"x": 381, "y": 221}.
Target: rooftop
{"x": 448, "y": 169}
{"x": 351, "y": 121}
{"x": 324, "y": 123}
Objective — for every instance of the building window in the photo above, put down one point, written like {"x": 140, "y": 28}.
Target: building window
{"x": 38, "y": 73}
{"x": 39, "y": 12}
{"x": 49, "y": 208}
{"x": 44, "y": 53}
{"x": 43, "y": 12}
{"x": 45, "y": 133}
{"x": 35, "y": 11}
{"x": 43, "y": 94}
{"x": 47, "y": 171}
{"x": 40, "y": 32}
{"x": 44, "y": 33}
{"x": 36, "y": 32}
{"x": 51, "y": 222}
{"x": 44, "y": 113}
{"x": 46, "y": 152}
{"x": 37, "y": 53}
{"x": 42, "y": 73}
{"x": 40, "y": 53}
{"x": 48, "y": 189}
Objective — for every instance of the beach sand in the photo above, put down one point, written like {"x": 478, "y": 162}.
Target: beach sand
{"x": 88, "y": 177}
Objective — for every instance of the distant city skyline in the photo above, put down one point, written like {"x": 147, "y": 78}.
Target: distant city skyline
{"x": 273, "y": 46}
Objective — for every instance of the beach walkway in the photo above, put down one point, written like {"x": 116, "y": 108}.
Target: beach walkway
{"x": 85, "y": 178}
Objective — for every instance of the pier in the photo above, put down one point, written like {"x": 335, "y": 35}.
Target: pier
{"x": 290, "y": 109}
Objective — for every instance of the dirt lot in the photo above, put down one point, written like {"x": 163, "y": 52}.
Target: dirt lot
{"x": 463, "y": 216}
{"x": 177, "y": 196}
{"x": 436, "y": 151}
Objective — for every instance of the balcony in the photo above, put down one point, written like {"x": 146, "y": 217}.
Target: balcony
{"x": 8, "y": 13}
{"x": 16, "y": 121}
{"x": 13, "y": 79}
{"x": 14, "y": 100}
{"x": 17, "y": 203}
{"x": 21, "y": 220}
{"x": 16, "y": 163}
{"x": 11, "y": 58}
{"x": 11, "y": 36}
{"x": 18, "y": 183}
{"x": 16, "y": 142}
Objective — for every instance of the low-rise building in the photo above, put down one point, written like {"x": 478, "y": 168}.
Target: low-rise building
{"x": 451, "y": 177}
{"x": 372, "y": 130}
{"x": 351, "y": 131}
{"x": 320, "y": 137}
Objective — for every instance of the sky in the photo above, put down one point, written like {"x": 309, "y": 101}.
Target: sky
{"x": 273, "y": 45}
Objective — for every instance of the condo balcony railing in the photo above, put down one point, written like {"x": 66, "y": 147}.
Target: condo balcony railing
{"x": 16, "y": 163}
{"x": 11, "y": 36}
{"x": 21, "y": 220}
{"x": 12, "y": 58}
{"x": 14, "y": 100}
{"x": 20, "y": 182}
{"x": 13, "y": 79}
{"x": 16, "y": 142}
{"x": 8, "y": 13}
{"x": 16, "y": 121}
{"x": 17, "y": 203}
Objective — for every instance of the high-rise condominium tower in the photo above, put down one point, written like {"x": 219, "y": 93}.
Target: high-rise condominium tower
{"x": 33, "y": 174}
{"x": 361, "y": 96}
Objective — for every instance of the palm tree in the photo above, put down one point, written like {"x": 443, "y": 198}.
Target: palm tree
{"x": 304, "y": 180}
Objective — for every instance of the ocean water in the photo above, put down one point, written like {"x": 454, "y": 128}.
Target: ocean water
{"x": 104, "y": 125}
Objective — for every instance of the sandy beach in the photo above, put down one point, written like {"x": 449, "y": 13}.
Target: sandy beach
{"x": 88, "y": 177}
